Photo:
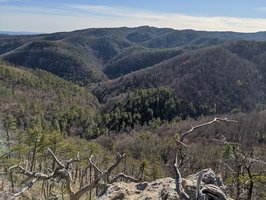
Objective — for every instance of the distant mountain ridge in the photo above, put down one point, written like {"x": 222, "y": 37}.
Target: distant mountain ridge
{"x": 90, "y": 51}
{"x": 222, "y": 70}
{"x": 18, "y": 33}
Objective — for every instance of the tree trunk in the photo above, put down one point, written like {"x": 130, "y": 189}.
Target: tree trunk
{"x": 33, "y": 158}
{"x": 238, "y": 182}
{"x": 250, "y": 190}
{"x": 8, "y": 142}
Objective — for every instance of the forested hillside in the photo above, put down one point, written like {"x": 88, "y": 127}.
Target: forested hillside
{"x": 133, "y": 91}
{"x": 40, "y": 99}
{"x": 64, "y": 60}
{"x": 139, "y": 59}
{"x": 212, "y": 79}
{"x": 86, "y": 56}
{"x": 205, "y": 72}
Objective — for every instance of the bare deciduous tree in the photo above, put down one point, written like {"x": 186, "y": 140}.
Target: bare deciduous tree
{"x": 202, "y": 193}
{"x": 62, "y": 171}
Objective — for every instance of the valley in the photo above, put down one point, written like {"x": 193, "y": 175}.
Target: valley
{"x": 100, "y": 91}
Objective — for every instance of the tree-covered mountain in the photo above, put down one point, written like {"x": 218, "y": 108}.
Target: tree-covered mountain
{"x": 136, "y": 91}
{"x": 138, "y": 60}
{"x": 88, "y": 56}
{"x": 206, "y": 72}
{"x": 215, "y": 78}
{"x": 36, "y": 98}
{"x": 62, "y": 59}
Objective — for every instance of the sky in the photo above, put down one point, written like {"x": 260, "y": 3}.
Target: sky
{"x": 47, "y": 16}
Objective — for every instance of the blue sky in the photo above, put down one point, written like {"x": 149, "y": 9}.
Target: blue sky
{"x": 66, "y": 15}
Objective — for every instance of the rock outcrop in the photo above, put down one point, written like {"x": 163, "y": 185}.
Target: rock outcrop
{"x": 159, "y": 189}
{"x": 165, "y": 189}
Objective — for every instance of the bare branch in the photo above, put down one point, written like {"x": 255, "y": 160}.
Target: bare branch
{"x": 86, "y": 188}
{"x": 118, "y": 160}
{"x": 70, "y": 161}
{"x": 56, "y": 159}
{"x": 29, "y": 174}
{"x": 94, "y": 165}
{"x": 179, "y": 142}
{"x": 225, "y": 164}
{"x": 127, "y": 177}
{"x": 183, "y": 135}
{"x": 178, "y": 181}
{"x": 63, "y": 171}
{"x": 29, "y": 185}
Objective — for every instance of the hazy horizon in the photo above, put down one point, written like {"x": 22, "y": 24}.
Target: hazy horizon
{"x": 22, "y": 32}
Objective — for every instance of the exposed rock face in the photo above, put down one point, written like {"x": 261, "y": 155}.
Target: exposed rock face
{"x": 164, "y": 189}
{"x": 159, "y": 189}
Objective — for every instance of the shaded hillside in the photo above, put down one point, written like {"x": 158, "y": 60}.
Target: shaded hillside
{"x": 9, "y": 43}
{"x": 38, "y": 98}
{"x": 80, "y": 56}
{"x": 106, "y": 48}
{"x": 248, "y": 50}
{"x": 254, "y": 52}
{"x": 212, "y": 78}
{"x": 63, "y": 60}
{"x": 138, "y": 60}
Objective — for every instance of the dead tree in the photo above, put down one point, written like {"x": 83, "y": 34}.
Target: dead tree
{"x": 242, "y": 164}
{"x": 210, "y": 191}
{"x": 62, "y": 171}
{"x": 178, "y": 182}
{"x": 182, "y": 136}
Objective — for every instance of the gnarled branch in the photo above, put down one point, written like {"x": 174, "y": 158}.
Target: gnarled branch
{"x": 63, "y": 171}
{"x": 178, "y": 182}
{"x": 184, "y": 134}
{"x": 56, "y": 159}
{"x": 119, "y": 158}
{"x": 29, "y": 185}
{"x": 94, "y": 165}
{"x": 215, "y": 120}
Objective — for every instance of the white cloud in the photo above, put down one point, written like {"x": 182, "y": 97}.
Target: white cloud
{"x": 72, "y": 17}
